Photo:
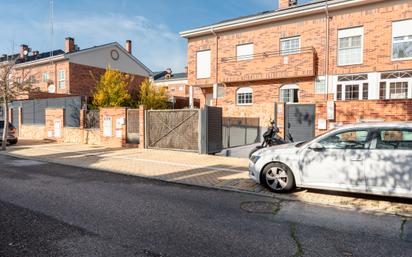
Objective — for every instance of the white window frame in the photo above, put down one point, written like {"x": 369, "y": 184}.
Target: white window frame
{"x": 388, "y": 87}
{"x": 62, "y": 79}
{"x": 404, "y": 28}
{"x": 289, "y": 88}
{"x": 360, "y": 83}
{"x": 290, "y": 51}
{"x": 45, "y": 77}
{"x": 349, "y": 33}
{"x": 318, "y": 90}
{"x": 203, "y": 70}
{"x": 243, "y": 90}
{"x": 245, "y": 52}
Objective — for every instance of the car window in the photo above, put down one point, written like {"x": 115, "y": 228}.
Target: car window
{"x": 394, "y": 139}
{"x": 354, "y": 139}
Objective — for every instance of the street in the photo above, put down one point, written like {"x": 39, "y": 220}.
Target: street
{"x": 55, "y": 210}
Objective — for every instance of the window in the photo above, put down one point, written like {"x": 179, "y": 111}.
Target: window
{"x": 320, "y": 85}
{"x": 402, "y": 39}
{"x": 352, "y": 92}
{"x": 45, "y": 77}
{"x": 244, "y": 52}
{"x": 350, "y": 46}
{"x": 289, "y": 94}
{"x": 62, "y": 79}
{"x": 355, "y": 139}
{"x": 365, "y": 91}
{"x": 398, "y": 90}
{"x": 394, "y": 139}
{"x": 220, "y": 91}
{"x": 382, "y": 90}
{"x": 289, "y": 45}
{"x": 339, "y": 92}
{"x": 203, "y": 66}
{"x": 244, "y": 96}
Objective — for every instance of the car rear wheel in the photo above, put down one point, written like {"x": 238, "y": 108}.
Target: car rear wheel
{"x": 278, "y": 178}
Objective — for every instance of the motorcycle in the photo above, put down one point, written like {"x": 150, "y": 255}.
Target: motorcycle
{"x": 271, "y": 138}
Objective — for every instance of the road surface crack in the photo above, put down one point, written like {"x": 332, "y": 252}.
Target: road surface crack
{"x": 402, "y": 229}
{"x": 299, "y": 250}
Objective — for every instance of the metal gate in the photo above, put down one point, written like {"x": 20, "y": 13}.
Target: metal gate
{"x": 15, "y": 118}
{"x": 173, "y": 129}
{"x": 300, "y": 121}
{"x": 211, "y": 130}
{"x": 239, "y": 131}
{"x": 132, "y": 127}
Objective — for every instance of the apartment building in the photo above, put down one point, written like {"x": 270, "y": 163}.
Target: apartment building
{"x": 310, "y": 67}
{"x": 74, "y": 71}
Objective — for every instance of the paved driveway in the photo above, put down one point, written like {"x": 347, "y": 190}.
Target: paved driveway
{"x": 194, "y": 169}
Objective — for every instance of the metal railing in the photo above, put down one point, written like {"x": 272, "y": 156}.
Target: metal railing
{"x": 267, "y": 54}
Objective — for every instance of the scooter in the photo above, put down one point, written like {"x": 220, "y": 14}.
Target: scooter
{"x": 271, "y": 138}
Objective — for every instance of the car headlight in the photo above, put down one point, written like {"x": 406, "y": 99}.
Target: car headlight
{"x": 254, "y": 158}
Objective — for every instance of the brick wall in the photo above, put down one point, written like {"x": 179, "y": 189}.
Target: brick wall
{"x": 118, "y": 131}
{"x": 83, "y": 80}
{"x": 55, "y": 124}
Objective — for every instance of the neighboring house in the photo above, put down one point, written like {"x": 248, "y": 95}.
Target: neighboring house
{"x": 311, "y": 67}
{"x": 73, "y": 71}
{"x": 177, "y": 88}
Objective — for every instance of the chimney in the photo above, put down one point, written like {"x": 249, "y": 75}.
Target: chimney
{"x": 128, "y": 46}
{"x": 283, "y": 4}
{"x": 69, "y": 45}
{"x": 24, "y": 51}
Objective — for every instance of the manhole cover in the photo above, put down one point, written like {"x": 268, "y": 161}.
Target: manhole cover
{"x": 260, "y": 207}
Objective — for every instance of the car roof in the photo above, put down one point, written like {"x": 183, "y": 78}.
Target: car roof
{"x": 397, "y": 124}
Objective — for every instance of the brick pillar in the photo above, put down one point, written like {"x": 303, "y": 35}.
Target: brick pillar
{"x": 142, "y": 112}
{"x": 54, "y": 115}
{"x": 82, "y": 117}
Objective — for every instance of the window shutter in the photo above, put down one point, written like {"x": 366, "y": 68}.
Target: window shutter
{"x": 402, "y": 28}
{"x": 244, "y": 52}
{"x": 203, "y": 64}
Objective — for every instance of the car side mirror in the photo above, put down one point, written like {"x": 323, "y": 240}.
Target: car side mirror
{"x": 317, "y": 147}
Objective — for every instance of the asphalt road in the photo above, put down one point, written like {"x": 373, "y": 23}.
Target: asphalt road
{"x": 55, "y": 210}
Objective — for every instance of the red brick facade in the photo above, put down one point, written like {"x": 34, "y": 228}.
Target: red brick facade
{"x": 269, "y": 69}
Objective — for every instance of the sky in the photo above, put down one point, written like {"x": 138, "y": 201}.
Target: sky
{"x": 152, "y": 25}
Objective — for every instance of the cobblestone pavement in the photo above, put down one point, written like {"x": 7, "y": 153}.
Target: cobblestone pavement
{"x": 194, "y": 169}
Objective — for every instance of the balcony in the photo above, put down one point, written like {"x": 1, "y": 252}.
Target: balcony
{"x": 268, "y": 66}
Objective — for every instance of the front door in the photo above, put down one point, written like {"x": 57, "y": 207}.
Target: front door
{"x": 340, "y": 164}
{"x": 300, "y": 122}
{"x": 389, "y": 167}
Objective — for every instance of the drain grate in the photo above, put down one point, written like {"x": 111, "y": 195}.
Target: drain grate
{"x": 261, "y": 207}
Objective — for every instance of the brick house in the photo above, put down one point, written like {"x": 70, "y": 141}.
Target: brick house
{"x": 73, "y": 71}
{"x": 177, "y": 88}
{"x": 310, "y": 67}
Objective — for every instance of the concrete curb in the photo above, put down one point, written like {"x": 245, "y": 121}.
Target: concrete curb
{"x": 281, "y": 197}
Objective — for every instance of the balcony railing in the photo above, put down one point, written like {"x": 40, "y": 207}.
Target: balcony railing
{"x": 268, "y": 65}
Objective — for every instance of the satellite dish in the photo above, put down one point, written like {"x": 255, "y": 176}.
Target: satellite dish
{"x": 51, "y": 89}
{"x": 25, "y": 52}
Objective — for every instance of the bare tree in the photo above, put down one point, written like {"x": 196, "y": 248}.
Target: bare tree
{"x": 14, "y": 82}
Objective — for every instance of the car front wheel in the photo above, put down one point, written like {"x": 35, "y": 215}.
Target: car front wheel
{"x": 278, "y": 178}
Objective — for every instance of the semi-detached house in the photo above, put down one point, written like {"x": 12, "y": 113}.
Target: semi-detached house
{"x": 74, "y": 71}
{"x": 310, "y": 67}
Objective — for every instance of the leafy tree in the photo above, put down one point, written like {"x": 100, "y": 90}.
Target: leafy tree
{"x": 112, "y": 90}
{"x": 14, "y": 83}
{"x": 152, "y": 97}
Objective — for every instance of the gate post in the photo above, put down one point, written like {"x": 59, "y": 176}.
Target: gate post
{"x": 142, "y": 126}
{"x": 203, "y": 130}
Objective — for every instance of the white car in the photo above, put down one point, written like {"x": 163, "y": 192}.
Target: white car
{"x": 374, "y": 158}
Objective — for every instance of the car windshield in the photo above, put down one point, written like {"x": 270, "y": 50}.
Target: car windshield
{"x": 301, "y": 144}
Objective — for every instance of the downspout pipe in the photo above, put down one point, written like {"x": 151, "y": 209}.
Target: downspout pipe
{"x": 212, "y": 30}
{"x": 327, "y": 48}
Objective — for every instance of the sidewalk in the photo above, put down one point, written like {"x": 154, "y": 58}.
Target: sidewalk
{"x": 194, "y": 169}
